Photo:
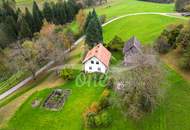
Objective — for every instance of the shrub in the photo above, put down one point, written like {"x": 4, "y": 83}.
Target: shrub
{"x": 106, "y": 93}
{"x": 67, "y": 74}
{"x": 96, "y": 115}
{"x": 94, "y": 108}
{"x": 104, "y": 103}
{"x": 103, "y": 119}
{"x": 94, "y": 120}
{"x": 162, "y": 45}
{"x": 102, "y": 19}
{"x": 185, "y": 60}
{"x": 106, "y": 119}
{"x": 187, "y": 8}
{"x": 90, "y": 120}
{"x": 116, "y": 44}
{"x": 110, "y": 83}
{"x": 180, "y": 5}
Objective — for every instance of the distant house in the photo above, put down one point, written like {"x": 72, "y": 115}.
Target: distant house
{"x": 131, "y": 49}
{"x": 97, "y": 60}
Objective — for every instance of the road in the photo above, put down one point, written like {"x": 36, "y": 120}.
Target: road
{"x": 24, "y": 82}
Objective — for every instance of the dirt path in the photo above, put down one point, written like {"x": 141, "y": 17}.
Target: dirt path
{"x": 171, "y": 59}
{"x": 8, "y": 110}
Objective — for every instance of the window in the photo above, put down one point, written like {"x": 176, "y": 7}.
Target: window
{"x": 92, "y": 62}
{"x": 99, "y": 69}
{"x": 97, "y": 62}
{"x": 90, "y": 68}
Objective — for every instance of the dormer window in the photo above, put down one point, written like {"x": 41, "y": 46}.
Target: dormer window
{"x": 97, "y": 62}
{"x": 92, "y": 62}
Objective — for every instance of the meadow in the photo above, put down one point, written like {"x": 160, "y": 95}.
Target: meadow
{"x": 145, "y": 27}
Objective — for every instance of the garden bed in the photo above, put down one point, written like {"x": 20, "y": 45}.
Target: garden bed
{"x": 56, "y": 99}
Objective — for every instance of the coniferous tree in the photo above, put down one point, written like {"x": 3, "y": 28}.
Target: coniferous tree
{"x": 11, "y": 23}
{"x": 7, "y": 35}
{"x": 74, "y": 7}
{"x": 5, "y": 40}
{"x": 87, "y": 21}
{"x": 9, "y": 10}
{"x": 69, "y": 12}
{"x": 62, "y": 13}
{"x": 94, "y": 33}
{"x": 55, "y": 13}
{"x": 2, "y": 15}
{"x": 94, "y": 15}
{"x": 60, "y": 16}
{"x": 47, "y": 12}
{"x": 29, "y": 19}
{"x": 24, "y": 31}
{"x": 37, "y": 16}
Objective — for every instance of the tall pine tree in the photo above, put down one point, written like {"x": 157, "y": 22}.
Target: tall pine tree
{"x": 69, "y": 12}
{"x": 93, "y": 32}
{"x": 62, "y": 11}
{"x": 29, "y": 19}
{"x": 47, "y": 12}
{"x": 38, "y": 17}
{"x": 87, "y": 21}
{"x": 24, "y": 31}
{"x": 11, "y": 23}
{"x": 94, "y": 15}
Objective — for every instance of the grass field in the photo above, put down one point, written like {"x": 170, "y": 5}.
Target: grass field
{"x": 145, "y": 27}
{"x": 121, "y": 7}
{"x": 39, "y": 118}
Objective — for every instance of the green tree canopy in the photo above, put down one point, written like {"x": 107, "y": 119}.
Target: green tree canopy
{"x": 38, "y": 18}
{"x": 94, "y": 32}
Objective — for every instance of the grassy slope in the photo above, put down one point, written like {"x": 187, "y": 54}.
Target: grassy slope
{"x": 145, "y": 27}
{"x": 68, "y": 118}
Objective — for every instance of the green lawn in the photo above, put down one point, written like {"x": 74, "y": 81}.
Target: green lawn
{"x": 121, "y": 7}
{"x": 145, "y": 27}
{"x": 69, "y": 118}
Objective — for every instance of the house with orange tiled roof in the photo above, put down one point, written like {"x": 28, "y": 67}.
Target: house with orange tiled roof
{"x": 97, "y": 60}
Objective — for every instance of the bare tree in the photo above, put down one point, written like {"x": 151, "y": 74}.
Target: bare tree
{"x": 138, "y": 88}
{"x": 24, "y": 57}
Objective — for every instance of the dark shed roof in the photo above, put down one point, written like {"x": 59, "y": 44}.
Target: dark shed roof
{"x": 133, "y": 42}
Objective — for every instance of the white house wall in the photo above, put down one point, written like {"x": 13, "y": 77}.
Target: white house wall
{"x": 94, "y": 66}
